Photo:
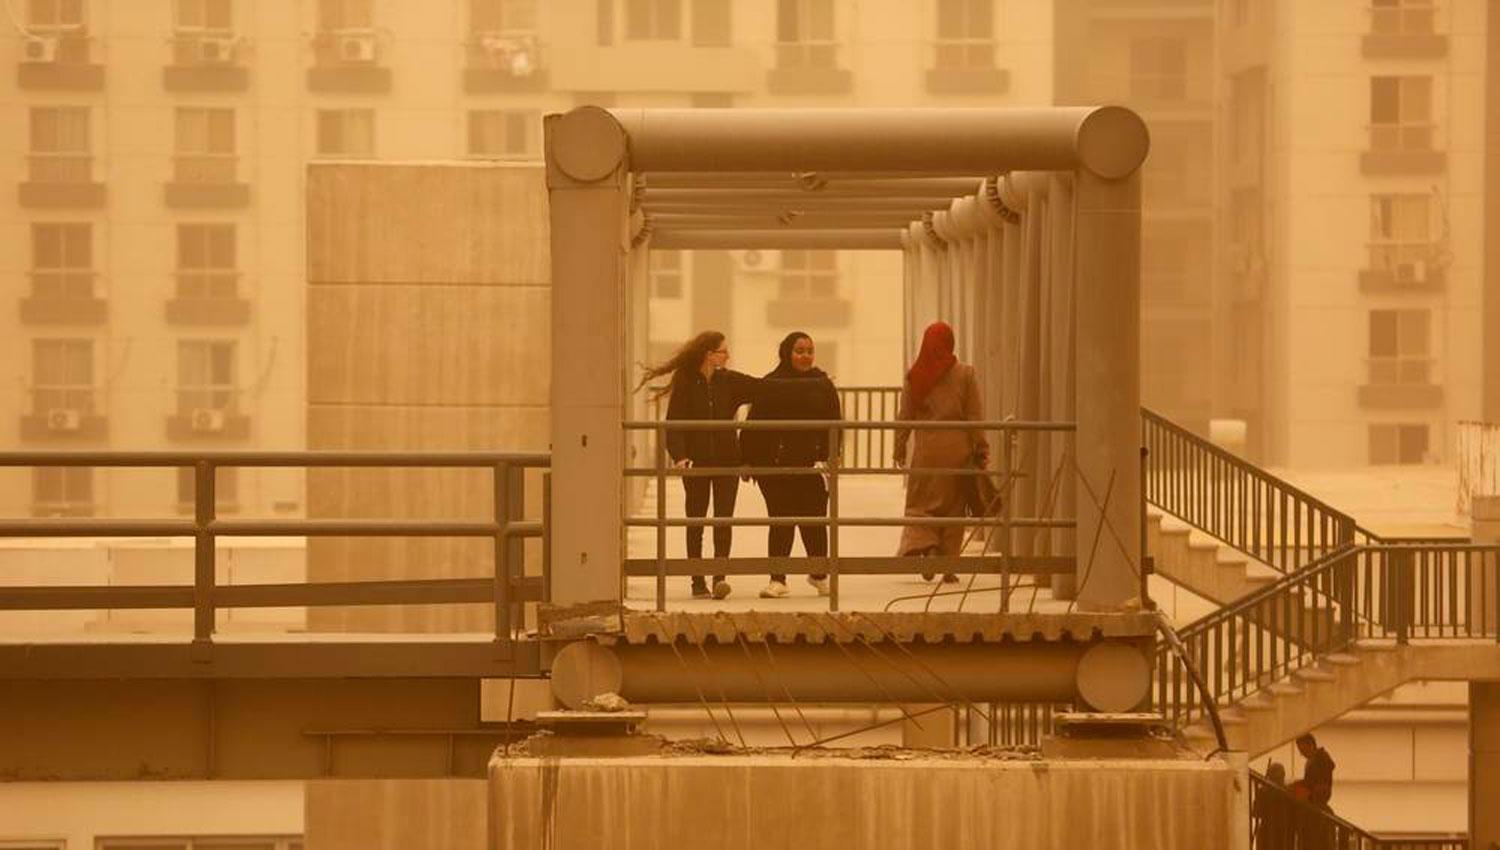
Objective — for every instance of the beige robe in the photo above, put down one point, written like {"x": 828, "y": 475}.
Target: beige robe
{"x": 955, "y": 398}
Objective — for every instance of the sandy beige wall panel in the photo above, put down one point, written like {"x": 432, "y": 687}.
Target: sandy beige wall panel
{"x": 437, "y": 224}
{"x": 436, "y": 814}
{"x": 428, "y": 345}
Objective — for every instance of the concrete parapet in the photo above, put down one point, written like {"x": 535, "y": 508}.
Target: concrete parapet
{"x": 895, "y": 799}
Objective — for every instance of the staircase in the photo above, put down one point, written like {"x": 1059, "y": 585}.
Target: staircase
{"x": 1317, "y": 616}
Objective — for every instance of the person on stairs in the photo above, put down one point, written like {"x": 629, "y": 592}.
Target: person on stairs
{"x": 938, "y": 388}
{"x": 800, "y": 494}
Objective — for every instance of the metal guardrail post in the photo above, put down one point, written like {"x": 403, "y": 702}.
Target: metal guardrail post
{"x": 1145, "y": 576}
{"x": 547, "y": 537}
{"x": 833, "y": 520}
{"x": 503, "y": 495}
{"x": 204, "y": 509}
{"x": 1006, "y": 477}
{"x": 661, "y": 514}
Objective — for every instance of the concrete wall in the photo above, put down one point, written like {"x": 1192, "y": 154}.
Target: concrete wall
{"x": 428, "y": 327}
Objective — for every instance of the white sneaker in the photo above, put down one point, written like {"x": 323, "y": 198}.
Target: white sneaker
{"x": 821, "y": 584}
{"x": 775, "y": 590}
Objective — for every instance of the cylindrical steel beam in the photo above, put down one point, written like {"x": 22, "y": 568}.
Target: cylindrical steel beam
{"x": 871, "y": 239}
{"x": 878, "y": 672}
{"x": 769, "y": 221}
{"x": 810, "y": 182}
{"x": 1109, "y": 141}
{"x": 913, "y": 207}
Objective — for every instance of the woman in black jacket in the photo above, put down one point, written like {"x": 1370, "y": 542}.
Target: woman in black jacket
{"x": 702, "y": 388}
{"x": 802, "y": 495}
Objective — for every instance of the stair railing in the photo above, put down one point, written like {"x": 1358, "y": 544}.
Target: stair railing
{"x": 1278, "y": 821}
{"x": 1235, "y": 501}
{"x": 1243, "y": 647}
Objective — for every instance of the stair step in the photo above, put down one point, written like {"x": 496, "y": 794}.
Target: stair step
{"x": 1284, "y": 689}
{"x": 1257, "y": 702}
{"x": 1232, "y": 717}
{"x": 1313, "y": 674}
{"x": 1342, "y": 659}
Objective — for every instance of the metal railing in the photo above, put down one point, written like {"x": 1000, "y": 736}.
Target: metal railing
{"x": 1005, "y": 562}
{"x": 1397, "y": 591}
{"x": 1235, "y": 501}
{"x": 869, "y": 446}
{"x": 505, "y": 590}
{"x": 1280, "y": 821}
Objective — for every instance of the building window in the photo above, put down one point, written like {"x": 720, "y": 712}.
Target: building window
{"x": 1398, "y": 443}
{"x": 345, "y": 15}
{"x": 653, "y": 20}
{"x": 1401, "y": 113}
{"x": 666, "y": 274}
{"x": 504, "y": 134}
{"x": 1400, "y": 235}
{"x": 1402, "y": 17}
{"x": 206, "y": 377}
{"x": 965, "y": 34}
{"x": 62, "y": 491}
{"x": 502, "y": 17}
{"x": 60, "y": 150}
{"x": 1400, "y": 347}
{"x": 204, "y": 17}
{"x": 226, "y": 500}
{"x": 206, "y": 261}
{"x": 62, "y": 260}
{"x": 807, "y": 275}
{"x": 55, "y": 15}
{"x": 805, "y": 34}
{"x": 205, "y": 146}
{"x": 346, "y": 132}
{"x": 1158, "y": 68}
{"x": 63, "y": 377}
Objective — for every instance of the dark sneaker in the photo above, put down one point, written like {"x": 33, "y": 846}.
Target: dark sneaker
{"x": 700, "y": 589}
{"x": 926, "y": 576}
{"x": 950, "y": 578}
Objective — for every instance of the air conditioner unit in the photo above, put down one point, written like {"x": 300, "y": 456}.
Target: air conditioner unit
{"x": 64, "y": 419}
{"x": 513, "y": 54}
{"x": 208, "y": 420}
{"x": 215, "y": 51}
{"x": 756, "y": 261}
{"x": 40, "y": 49}
{"x": 1414, "y": 272}
{"x": 357, "y": 47}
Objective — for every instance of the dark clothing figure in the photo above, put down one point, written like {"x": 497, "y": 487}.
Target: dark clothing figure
{"x": 697, "y": 398}
{"x": 724, "y": 489}
{"x": 1273, "y": 817}
{"x": 793, "y": 495}
{"x": 1317, "y": 775}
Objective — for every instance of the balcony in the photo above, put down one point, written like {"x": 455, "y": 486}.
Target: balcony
{"x": 1402, "y": 149}
{"x": 208, "y": 298}
{"x": 62, "y": 413}
{"x": 59, "y": 60}
{"x": 1404, "y": 32}
{"x": 63, "y": 297}
{"x": 1400, "y": 383}
{"x": 500, "y": 63}
{"x": 61, "y": 181}
{"x": 965, "y": 66}
{"x": 206, "y": 181}
{"x": 653, "y": 66}
{"x": 206, "y": 62}
{"x": 1397, "y": 267}
{"x": 808, "y": 67}
{"x": 207, "y": 423}
{"x": 348, "y": 62}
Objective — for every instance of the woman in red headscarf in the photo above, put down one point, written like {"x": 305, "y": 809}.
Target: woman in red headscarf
{"x": 938, "y": 388}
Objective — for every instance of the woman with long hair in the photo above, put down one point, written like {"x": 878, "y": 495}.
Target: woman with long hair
{"x": 803, "y": 494}
{"x": 701, "y": 387}
{"x": 938, "y": 388}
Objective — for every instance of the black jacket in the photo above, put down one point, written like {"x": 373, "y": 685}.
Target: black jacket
{"x": 798, "y": 395}
{"x": 701, "y": 398}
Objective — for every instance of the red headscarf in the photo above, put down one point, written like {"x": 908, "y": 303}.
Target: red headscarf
{"x": 933, "y": 361}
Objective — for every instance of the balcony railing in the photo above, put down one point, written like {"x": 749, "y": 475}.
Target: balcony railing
{"x": 963, "y": 54}
{"x": 62, "y": 283}
{"x": 807, "y": 54}
{"x": 47, "y": 399}
{"x": 207, "y": 284}
{"x": 205, "y": 168}
{"x": 1400, "y": 371}
{"x": 505, "y": 591}
{"x": 1407, "y": 18}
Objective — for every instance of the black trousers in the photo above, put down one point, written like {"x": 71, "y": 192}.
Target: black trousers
{"x": 795, "y": 495}
{"x": 723, "y": 489}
